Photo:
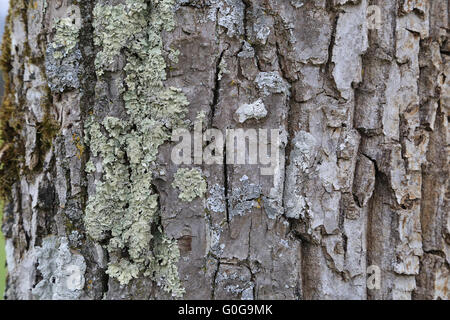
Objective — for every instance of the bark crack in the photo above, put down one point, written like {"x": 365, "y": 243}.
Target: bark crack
{"x": 216, "y": 89}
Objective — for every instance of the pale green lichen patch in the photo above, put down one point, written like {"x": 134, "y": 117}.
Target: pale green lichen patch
{"x": 116, "y": 27}
{"x": 190, "y": 183}
{"x": 66, "y": 36}
{"x": 123, "y": 271}
{"x": 124, "y": 210}
{"x": 166, "y": 255}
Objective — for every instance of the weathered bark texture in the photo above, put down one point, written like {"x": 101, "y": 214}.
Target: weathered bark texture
{"x": 95, "y": 88}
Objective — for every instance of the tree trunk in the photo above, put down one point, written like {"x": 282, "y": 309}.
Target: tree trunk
{"x": 355, "y": 208}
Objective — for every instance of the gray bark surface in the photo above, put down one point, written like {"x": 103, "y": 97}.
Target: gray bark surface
{"x": 361, "y": 184}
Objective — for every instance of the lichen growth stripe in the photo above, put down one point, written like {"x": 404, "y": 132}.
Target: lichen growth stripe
{"x": 124, "y": 210}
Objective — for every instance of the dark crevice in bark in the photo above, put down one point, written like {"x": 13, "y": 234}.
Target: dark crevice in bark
{"x": 373, "y": 161}
{"x": 216, "y": 272}
{"x": 344, "y": 275}
{"x": 216, "y": 90}
{"x": 226, "y": 184}
{"x": 344, "y": 242}
{"x": 369, "y": 237}
{"x": 247, "y": 4}
{"x": 88, "y": 80}
{"x": 329, "y": 66}
{"x": 157, "y": 227}
{"x": 436, "y": 253}
{"x": 196, "y": 4}
{"x": 252, "y": 277}
{"x": 290, "y": 122}
{"x": 105, "y": 283}
{"x": 27, "y": 240}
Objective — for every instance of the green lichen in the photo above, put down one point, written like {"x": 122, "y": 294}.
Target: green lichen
{"x": 124, "y": 271}
{"x": 66, "y": 36}
{"x": 166, "y": 255}
{"x": 115, "y": 28}
{"x": 124, "y": 210}
{"x": 191, "y": 184}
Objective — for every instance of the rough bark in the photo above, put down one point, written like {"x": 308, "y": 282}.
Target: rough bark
{"x": 94, "y": 90}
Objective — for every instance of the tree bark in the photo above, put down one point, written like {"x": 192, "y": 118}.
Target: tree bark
{"x": 95, "y": 206}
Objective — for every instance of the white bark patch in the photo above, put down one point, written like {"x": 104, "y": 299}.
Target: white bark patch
{"x": 255, "y": 110}
{"x": 351, "y": 42}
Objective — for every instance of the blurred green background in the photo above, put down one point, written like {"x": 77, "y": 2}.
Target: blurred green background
{"x": 3, "y": 12}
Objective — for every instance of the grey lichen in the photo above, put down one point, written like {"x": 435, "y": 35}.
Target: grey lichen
{"x": 297, "y": 3}
{"x": 63, "y": 56}
{"x": 125, "y": 206}
{"x": 271, "y": 82}
{"x": 255, "y": 110}
{"x": 216, "y": 200}
{"x": 229, "y": 14}
{"x": 244, "y": 198}
{"x": 235, "y": 281}
{"x": 62, "y": 271}
{"x": 191, "y": 184}
{"x": 215, "y": 245}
